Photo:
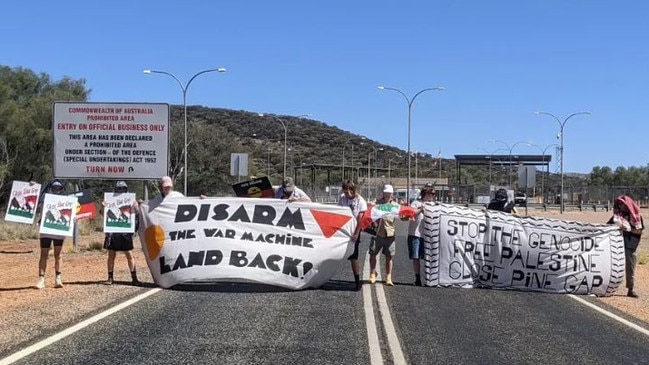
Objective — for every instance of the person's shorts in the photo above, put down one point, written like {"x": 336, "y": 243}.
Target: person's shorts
{"x": 354, "y": 255}
{"x": 382, "y": 244}
{"x": 47, "y": 242}
{"x": 415, "y": 247}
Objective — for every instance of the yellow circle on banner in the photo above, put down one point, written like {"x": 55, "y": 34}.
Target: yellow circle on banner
{"x": 78, "y": 207}
{"x": 254, "y": 192}
{"x": 154, "y": 236}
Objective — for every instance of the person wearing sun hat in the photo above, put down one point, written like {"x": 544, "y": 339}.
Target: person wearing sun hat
{"x": 114, "y": 242}
{"x": 289, "y": 191}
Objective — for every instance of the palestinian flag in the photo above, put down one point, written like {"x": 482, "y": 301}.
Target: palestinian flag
{"x": 382, "y": 211}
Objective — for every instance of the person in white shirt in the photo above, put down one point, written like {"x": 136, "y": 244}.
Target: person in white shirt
{"x": 415, "y": 230}
{"x": 290, "y": 192}
{"x": 352, "y": 199}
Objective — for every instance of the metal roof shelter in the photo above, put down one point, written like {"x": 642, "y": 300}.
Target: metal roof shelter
{"x": 501, "y": 160}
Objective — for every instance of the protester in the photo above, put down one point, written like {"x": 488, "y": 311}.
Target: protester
{"x": 502, "y": 203}
{"x": 114, "y": 242}
{"x": 626, "y": 215}
{"x": 384, "y": 239}
{"x": 415, "y": 230}
{"x": 352, "y": 199}
{"x": 47, "y": 240}
{"x": 167, "y": 189}
{"x": 289, "y": 191}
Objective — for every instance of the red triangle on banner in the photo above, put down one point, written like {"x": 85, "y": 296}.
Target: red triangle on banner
{"x": 329, "y": 223}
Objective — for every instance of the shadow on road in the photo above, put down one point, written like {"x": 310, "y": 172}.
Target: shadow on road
{"x": 238, "y": 287}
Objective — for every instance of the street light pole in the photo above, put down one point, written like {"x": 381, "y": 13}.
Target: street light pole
{"x": 369, "y": 178}
{"x": 561, "y": 125}
{"x": 410, "y": 101}
{"x": 285, "y": 135}
{"x": 547, "y": 167}
{"x": 510, "y": 156}
{"x": 491, "y": 154}
{"x": 184, "y": 90}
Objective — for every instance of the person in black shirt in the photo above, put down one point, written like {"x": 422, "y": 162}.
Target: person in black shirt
{"x": 501, "y": 203}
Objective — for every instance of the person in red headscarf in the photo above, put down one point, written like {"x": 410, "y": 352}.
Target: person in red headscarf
{"x": 626, "y": 215}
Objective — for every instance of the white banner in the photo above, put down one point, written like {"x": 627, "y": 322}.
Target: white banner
{"x": 119, "y": 216}
{"x": 58, "y": 213}
{"x": 294, "y": 245}
{"x": 467, "y": 247}
{"x": 23, "y": 201}
{"x": 110, "y": 140}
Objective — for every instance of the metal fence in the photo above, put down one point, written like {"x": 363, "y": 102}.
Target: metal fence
{"x": 574, "y": 195}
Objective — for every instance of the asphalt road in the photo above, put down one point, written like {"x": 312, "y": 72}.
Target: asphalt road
{"x": 253, "y": 324}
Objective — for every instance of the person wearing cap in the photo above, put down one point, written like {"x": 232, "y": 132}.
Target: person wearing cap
{"x": 415, "y": 229}
{"x": 167, "y": 188}
{"x": 47, "y": 240}
{"x": 352, "y": 199}
{"x": 384, "y": 239}
{"x": 290, "y": 192}
{"x": 501, "y": 203}
{"x": 114, "y": 242}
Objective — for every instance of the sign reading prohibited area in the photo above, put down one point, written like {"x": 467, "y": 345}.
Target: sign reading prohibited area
{"x": 110, "y": 140}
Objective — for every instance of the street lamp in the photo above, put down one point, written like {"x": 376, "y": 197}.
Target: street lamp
{"x": 352, "y": 164}
{"x": 490, "y": 161}
{"x": 561, "y": 125}
{"x": 285, "y": 135}
{"x": 369, "y": 178}
{"x": 410, "y": 101}
{"x": 510, "y": 155}
{"x": 184, "y": 90}
{"x": 547, "y": 166}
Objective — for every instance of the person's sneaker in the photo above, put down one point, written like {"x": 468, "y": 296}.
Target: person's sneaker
{"x": 388, "y": 281}
{"x": 417, "y": 282}
{"x": 373, "y": 277}
{"x": 109, "y": 281}
{"x": 58, "y": 281}
{"x": 632, "y": 294}
{"x": 40, "y": 284}
{"x": 135, "y": 282}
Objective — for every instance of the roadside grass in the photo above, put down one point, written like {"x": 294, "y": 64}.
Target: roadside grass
{"x": 643, "y": 258}
{"x": 10, "y": 231}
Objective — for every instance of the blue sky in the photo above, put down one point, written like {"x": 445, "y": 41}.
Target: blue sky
{"x": 499, "y": 61}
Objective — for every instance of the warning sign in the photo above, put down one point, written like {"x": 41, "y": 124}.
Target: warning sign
{"x": 110, "y": 140}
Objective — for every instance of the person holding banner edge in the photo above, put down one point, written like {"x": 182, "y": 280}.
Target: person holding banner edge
{"x": 352, "y": 199}
{"x": 114, "y": 242}
{"x": 626, "y": 215}
{"x": 415, "y": 230}
{"x": 290, "y": 192}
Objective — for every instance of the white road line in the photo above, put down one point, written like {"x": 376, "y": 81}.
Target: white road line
{"x": 376, "y": 358}
{"x": 642, "y": 330}
{"x": 393, "y": 340}
{"x": 61, "y": 335}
